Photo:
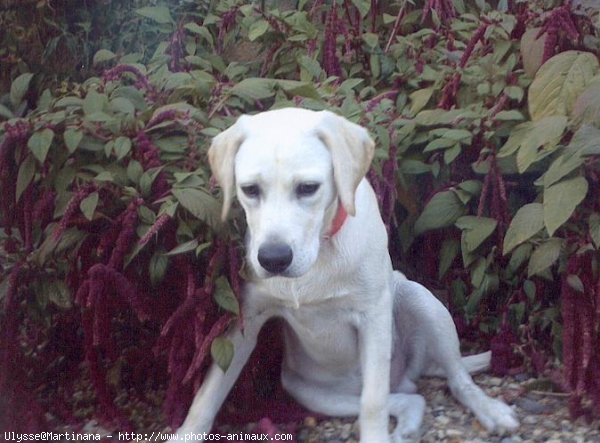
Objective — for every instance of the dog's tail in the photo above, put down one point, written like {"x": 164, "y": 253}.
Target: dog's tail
{"x": 473, "y": 364}
{"x": 477, "y": 362}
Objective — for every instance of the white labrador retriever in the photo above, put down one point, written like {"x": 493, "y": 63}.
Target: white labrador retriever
{"x": 358, "y": 334}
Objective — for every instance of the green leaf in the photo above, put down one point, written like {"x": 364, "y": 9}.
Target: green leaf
{"x": 311, "y": 70}
{"x": 532, "y": 50}
{"x": 530, "y": 290}
{"x": 371, "y": 39}
{"x": 534, "y": 140}
{"x": 221, "y": 350}
{"x": 122, "y": 147}
{"x": 559, "y": 82}
{"x": 451, "y": 154}
{"x": 544, "y": 256}
{"x": 88, "y": 205}
{"x": 560, "y": 168}
{"x": 24, "y": 176}
{"x": 19, "y": 88}
{"x": 443, "y": 210}
{"x": 519, "y": 256}
{"x": 375, "y": 64}
{"x": 414, "y": 167}
{"x": 94, "y": 103}
{"x": 122, "y": 105}
{"x": 225, "y": 297}
{"x": 586, "y": 140}
{"x": 39, "y": 143}
{"x": 146, "y": 215}
{"x": 514, "y": 92}
{"x": 158, "y": 267}
{"x": 458, "y": 135}
{"x": 59, "y": 294}
{"x": 201, "y": 204}
{"x": 509, "y": 115}
{"x": 472, "y": 305}
{"x": 183, "y": 247}
{"x": 105, "y": 176}
{"x": 363, "y": 6}
{"x": 201, "y": 31}
{"x": 254, "y": 88}
{"x": 134, "y": 171}
{"x": 202, "y": 247}
{"x": 586, "y": 108}
{"x": 147, "y": 179}
{"x": 439, "y": 143}
{"x": 594, "y": 224}
{"x": 561, "y": 199}
{"x": 72, "y": 138}
{"x": 301, "y": 89}
{"x": 472, "y": 187}
{"x": 575, "y": 282}
{"x": 475, "y": 230}
{"x": 257, "y": 29}
{"x": 5, "y": 112}
{"x": 419, "y": 99}
{"x": 160, "y": 14}
{"x": 433, "y": 117}
{"x": 448, "y": 253}
{"x": 528, "y": 221}
{"x": 103, "y": 55}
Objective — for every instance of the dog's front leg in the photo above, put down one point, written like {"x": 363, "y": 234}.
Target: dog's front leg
{"x": 375, "y": 341}
{"x": 217, "y": 383}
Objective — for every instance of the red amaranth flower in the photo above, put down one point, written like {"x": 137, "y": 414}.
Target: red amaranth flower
{"x": 125, "y": 238}
{"x": 115, "y": 74}
{"x": 202, "y": 351}
{"x": 148, "y": 155}
{"x": 559, "y": 23}
{"x": 72, "y": 209}
{"x": 331, "y": 62}
{"x": 16, "y": 134}
{"x": 158, "y": 225}
{"x": 444, "y": 9}
{"x": 27, "y": 225}
{"x": 475, "y": 38}
{"x": 43, "y": 208}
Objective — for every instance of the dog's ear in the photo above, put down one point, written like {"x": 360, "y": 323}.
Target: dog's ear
{"x": 351, "y": 150}
{"x": 221, "y": 156}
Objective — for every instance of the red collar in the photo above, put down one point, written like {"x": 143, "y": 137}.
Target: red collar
{"x": 338, "y": 220}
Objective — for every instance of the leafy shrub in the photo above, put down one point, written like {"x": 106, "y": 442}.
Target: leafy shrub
{"x": 486, "y": 169}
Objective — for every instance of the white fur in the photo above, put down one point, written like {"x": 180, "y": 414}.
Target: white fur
{"x": 358, "y": 334}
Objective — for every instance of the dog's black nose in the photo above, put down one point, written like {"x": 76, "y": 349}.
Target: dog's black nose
{"x": 275, "y": 257}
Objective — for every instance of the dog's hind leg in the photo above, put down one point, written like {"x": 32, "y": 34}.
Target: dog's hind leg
{"x": 434, "y": 343}
{"x": 408, "y": 409}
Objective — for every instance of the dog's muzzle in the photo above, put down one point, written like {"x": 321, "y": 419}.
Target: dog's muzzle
{"x": 275, "y": 257}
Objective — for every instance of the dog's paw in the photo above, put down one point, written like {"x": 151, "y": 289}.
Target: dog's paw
{"x": 496, "y": 416}
{"x": 379, "y": 438}
{"x": 409, "y": 411}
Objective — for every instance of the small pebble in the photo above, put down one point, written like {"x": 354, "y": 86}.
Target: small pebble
{"x": 532, "y": 406}
{"x": 310, "y": 422}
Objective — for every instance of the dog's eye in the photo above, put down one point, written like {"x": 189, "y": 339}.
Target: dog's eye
{"x": 251, "y": 191}
{"x": 307, "y": 189}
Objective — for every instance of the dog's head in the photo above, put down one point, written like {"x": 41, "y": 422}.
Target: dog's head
{"x": 291, "y": 169}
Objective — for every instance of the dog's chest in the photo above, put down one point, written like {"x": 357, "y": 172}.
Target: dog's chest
{"x": 322, "y": 333}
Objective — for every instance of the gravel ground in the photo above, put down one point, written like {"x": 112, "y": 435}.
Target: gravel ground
{"x": 543, "y": 415}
